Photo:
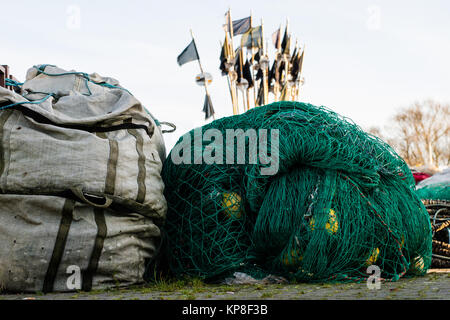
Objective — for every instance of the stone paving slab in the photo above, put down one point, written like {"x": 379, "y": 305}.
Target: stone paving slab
{"x": 435, "y": 285}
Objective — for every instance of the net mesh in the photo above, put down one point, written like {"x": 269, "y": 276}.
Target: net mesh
{"x": 340, "y": 201}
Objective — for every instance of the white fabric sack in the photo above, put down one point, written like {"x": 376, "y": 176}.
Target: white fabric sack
{"x": 90, "y": 138}
{"x": 56, "y": 244}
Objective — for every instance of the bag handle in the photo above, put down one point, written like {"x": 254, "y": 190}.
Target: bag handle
{"x": 83, "y": 196}
{"x": 169, "y": 124}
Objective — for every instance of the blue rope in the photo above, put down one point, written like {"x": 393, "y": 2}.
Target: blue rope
{"x": 84, "y": 75}
{"x": 41, "y": 69}
{"x": 27, "y": 102}
{"x": 12, "y": 83}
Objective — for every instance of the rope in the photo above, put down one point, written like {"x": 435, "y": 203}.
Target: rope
{"x": 27, "y": 102}
{"x": 13, "y": 83}
{"x": 82, "y": 74}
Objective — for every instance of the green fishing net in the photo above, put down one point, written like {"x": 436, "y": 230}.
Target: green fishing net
{"x": 340, "y": 201}
{"x": 437, "y": 187}
{"x": 438, "y": 191}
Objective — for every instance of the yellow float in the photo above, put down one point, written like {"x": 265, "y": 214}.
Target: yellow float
{"x": 332, "y": 224}
{"x": 232, "y": 203}
{"x": 373, "y": 257}
{"x": 292, "y": 258}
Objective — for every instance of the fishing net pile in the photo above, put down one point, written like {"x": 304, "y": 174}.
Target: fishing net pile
{"x": 436, "y": 187}
{"x": 340, "y": 201}
{"x": 81, "y": 195}
{"x": 435, "y": 194}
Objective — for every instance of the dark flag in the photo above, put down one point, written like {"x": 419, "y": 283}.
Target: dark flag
{"x": 224, "y": 56}
{"x": 286, "y": 43}
{"x": 259, "y": 74}
{"x": 252, "y": 38}
{"x": 294, "y": 56}
{"x": 259, "y": 98}
{"x": 297, "y": 66}
{"x": 223, "y": 60}
{"x": 189, "y": 54}
{"x": 257, "y": 56}
{"x": 276, "y": 38}
{"x": 272, "y": 72}
{"x": 280, "y": 71}
{"x": 208, "y": 107}
{"x": 294, "y": 66}
{"x": 237, "y": 64}
{"x": 239, "y": 26}
{"x": 247, "y": 74}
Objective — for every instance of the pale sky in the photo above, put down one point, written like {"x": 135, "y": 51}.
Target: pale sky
{"x": 363, "y": 59}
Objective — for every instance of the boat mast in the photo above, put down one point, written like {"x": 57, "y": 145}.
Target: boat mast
{"x": 201, "y": 71}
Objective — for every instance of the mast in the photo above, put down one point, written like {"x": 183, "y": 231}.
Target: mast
{"x": 294, "y": 83}
{"x": 232, "y": 81}
{"x": 201, "y": 70}
{"x": 229, "y": 84}
{"x": 252, "y": 71}
{"x": 241, "y": 58}
{"x": 264, "y": 68}
{"x": 286, "y": 58}
{"x": 276, "y": 86}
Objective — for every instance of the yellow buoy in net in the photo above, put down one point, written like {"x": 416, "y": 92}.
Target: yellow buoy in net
{"x": 373, "y": 257}
{"x": 292, "y": 258}
{"x": 231, "y": 202}
{"x": 332, "y": 224}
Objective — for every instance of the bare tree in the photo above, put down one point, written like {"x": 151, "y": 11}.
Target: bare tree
{"x": 420, "y": 133}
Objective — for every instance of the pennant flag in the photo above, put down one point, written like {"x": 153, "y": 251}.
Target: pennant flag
{"x": 272, "y": 73}
{"x": 208, "y": 107}
{"x": 286, "y": 43}
{"x": 189, "y": 54}
{"x": 223, "y": 60}
{"x": 276, "y": 38}
{"x": 252, "y": 38}
{"x": 294, "y": 56}
{"x": 259, "y": 74}
{"x": 247, "y": 74}
{"x": 259, "y": 98}
{"x": 257, "y": 56}
{"x": 280, "y": 71}
{"x": 239, "y": 26}
{"x": 297, "y": 66}
{"x": 294, "y": 66}
{"x": 224, "y": 56}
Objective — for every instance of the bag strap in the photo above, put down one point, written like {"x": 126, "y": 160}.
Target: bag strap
{"x": 60, "y": 245}
{"x": 97, "y": 251}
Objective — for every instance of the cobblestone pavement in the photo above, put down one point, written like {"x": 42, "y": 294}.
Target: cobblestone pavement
{"x": 434, "y": 285}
